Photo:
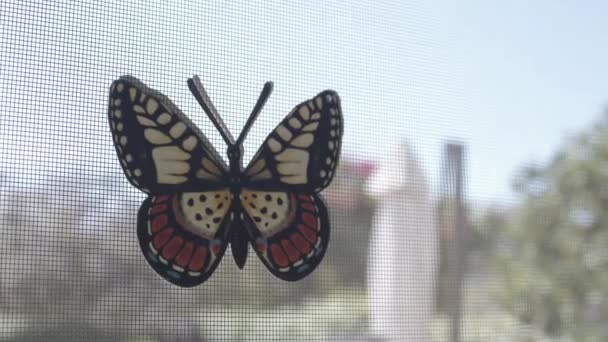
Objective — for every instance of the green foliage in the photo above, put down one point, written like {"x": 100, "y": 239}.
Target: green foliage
{"x": 551, "y": 251}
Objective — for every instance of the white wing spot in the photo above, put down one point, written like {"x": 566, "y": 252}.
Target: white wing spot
{"x": 137, "y": 172}
{"x": 316, "y": 116}
{"x": 305, "y": 113}
{"x": 295, "y": 123}
{"x": 164, "y": 118}
{"x": 118, "y": 113}
{"x": 123, "y": 140}
{"x": 189, "y": 143}
{"x": 120, "y": 87}
{"x": 293, "y": 155}
{"x": 301, "y": 179}
{"x": 334, "y": 121}
{"x": 328, "y": 161}
{"x": 129, "y": 158}
{"x": 331, "y": 145}
{"x": 204, "y": 174}
{"x": 168, "y": 164}
{"x": 284, "y": 133}
{"x": 332, "y": 133}
{"x": 177, "y": 130}
{"x": 310, "y": 127}
{"x": 156, "y": 137}
{"x": 139, "y": 109}
{"x": 262, "y": 175}
{"x": 132, "y": 93}
{"x": 170, "y": 153}
{"x": 145, "y": 121}
{"x": 303, "y": 140}
{"x": 152, "y": 106}
{"x": 319, "y": 102}
{"x": 323, "y": 173}
{"x": 274, "y": 145}
{"x": 119, "y": 127}
{"x": 210, "y": 166}
{"x": 290, "y": 169}
{"x": 117, "y": 102}
{"x": 257, "y": 167}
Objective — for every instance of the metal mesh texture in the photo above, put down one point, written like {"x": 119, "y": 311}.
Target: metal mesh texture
{"x": 70, "y": 264}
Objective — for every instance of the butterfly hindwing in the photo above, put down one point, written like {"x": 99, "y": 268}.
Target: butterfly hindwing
{"x": 184, "y": 236}
{"x": 159, "y": 148}
{"x": 302, "y": 152}
{"x": 288, "y": 231}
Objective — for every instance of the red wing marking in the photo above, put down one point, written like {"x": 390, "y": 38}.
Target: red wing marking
{"x": 308, "y": 233}
{"x": 162, "y": 238}
{"x": 178, "y": 251}
{"x": 301, "y": 244}
{"x": 278, "y": 256}
{"x": 159, "y": 208}
{"x": 159, "y": 222}
{"x": 198, "y": 260}
{"x": 310, "y": 220}
{"x": 292, "y": 252}
{"x": 172, "y": 247}
{"x": 184, "y": 255}
{"x": 290, "y": 237}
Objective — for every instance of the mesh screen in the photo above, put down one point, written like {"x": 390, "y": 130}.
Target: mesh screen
{"x": 426, "y": 243}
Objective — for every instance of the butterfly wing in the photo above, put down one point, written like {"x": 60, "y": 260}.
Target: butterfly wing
{"x": 287, "y": 222}
{"x": 301, "y": 154}
{"x": 184, "y": 223}
{"x": 184, "y": 236}
{"x": 159, "y": 148}
{"x": 288, "y": 231}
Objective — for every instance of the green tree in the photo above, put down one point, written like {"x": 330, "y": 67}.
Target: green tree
{"x": 552, "y": 249}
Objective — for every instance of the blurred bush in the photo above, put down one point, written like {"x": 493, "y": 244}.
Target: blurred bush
{"x": 550, "y": 252}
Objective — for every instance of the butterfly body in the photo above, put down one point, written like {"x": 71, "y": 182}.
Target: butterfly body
{"x": 197, "y": 205}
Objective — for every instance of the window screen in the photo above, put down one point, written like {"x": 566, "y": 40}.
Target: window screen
{"x": 461, "y": 210}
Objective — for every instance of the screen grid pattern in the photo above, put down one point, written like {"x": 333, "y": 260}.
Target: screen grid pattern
{"x": 70, "y": 265}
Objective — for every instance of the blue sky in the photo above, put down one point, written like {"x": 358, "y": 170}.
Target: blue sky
{"x": 534, "y": 73}
{"x": 509, "y": 78}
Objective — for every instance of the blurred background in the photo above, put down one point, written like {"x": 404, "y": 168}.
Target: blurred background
{"x": 469, "y": 205}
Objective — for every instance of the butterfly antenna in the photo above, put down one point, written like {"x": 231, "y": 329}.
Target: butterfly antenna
{"x": 255, "y": 112}
{"x": 197, "y": 89}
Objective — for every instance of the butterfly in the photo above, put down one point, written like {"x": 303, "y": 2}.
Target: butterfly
{"x": 197, "y": 204}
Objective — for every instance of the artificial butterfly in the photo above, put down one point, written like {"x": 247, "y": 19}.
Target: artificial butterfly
{"x": 197, "y": 204}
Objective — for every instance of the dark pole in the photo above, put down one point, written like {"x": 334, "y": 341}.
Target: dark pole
{"x": 453, "y": 228}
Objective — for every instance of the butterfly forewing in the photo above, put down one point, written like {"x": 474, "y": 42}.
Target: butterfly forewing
{"x": 184, "y": 236}
{"x": 288, "y": 231}
{"x": 159, "y": 149}
{"x": 302, "y": 152}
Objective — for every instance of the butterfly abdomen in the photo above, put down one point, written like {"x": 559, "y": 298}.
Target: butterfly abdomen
{"x": 239, "y": 244}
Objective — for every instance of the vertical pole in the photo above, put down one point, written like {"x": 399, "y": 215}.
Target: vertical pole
{"x": 453, "y": 228}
